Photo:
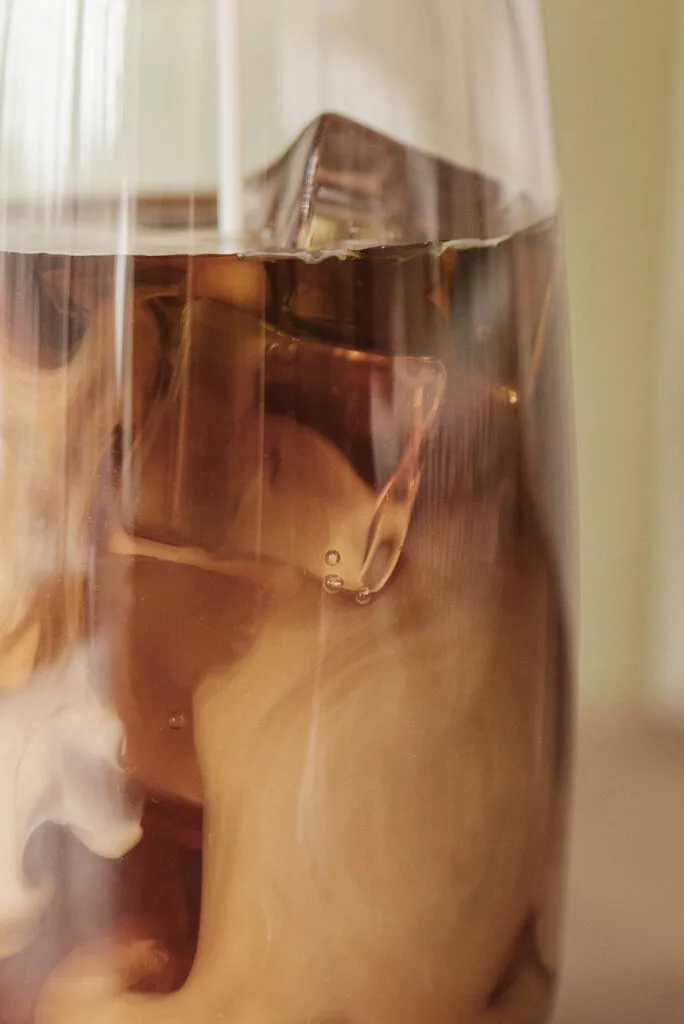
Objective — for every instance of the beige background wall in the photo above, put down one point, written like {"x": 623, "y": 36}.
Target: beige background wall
{"x": 668, "y": 607}
{"x": 612, "y": 67}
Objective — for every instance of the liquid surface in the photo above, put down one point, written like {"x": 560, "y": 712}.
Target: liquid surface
{"x": 283, "y": 621}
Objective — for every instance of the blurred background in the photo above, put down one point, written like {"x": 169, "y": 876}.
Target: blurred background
{"x": 617, "y": 73}
{"x": 618, "y": 95}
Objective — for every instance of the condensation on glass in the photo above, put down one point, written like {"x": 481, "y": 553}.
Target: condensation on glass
{"x": 286, "y": 596}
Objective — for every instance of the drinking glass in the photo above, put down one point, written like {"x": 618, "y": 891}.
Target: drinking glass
{"x": 286, "y": 513}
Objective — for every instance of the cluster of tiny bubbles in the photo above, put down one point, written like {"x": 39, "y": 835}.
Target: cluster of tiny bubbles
{"x": 333, "y": 584}
{"x": 177, "y": 720}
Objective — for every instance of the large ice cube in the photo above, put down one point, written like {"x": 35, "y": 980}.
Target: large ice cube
{"x": 268, "y": 444}
{"x": 342, "y": 184}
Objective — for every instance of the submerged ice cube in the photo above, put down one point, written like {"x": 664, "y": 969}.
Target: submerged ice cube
{"x": 343, "y": 184}
{"x": 276, "y": 445}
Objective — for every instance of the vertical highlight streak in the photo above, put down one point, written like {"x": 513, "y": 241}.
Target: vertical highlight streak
{"x": 229, "y": 128}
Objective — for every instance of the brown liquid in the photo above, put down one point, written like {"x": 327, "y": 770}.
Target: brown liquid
{"x": 309, "y": 511}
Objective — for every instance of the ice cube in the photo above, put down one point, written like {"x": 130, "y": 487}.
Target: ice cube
{"x": 384, "y": 301}
{"x": 342, "y": 183}
{"x": 314, "y": 508}
{"x": 269, "y": 444}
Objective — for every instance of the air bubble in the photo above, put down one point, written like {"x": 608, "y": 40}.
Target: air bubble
{"x": 177, "y": 720}
{"x": 333, "y": 558}
{"x": 364, "y": 596}
{"x": 333, "y": 584}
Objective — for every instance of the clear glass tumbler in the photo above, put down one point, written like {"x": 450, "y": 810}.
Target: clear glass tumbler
{"x": 286, "y": 513}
